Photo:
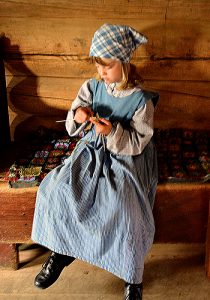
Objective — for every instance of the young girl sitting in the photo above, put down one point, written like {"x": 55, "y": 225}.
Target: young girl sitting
{"x": 97, "y": 206}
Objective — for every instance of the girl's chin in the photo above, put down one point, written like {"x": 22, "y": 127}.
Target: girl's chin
{"x": 107, "y": 81}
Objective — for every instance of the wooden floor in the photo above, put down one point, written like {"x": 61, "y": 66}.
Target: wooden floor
{"x": 171, "y": 272}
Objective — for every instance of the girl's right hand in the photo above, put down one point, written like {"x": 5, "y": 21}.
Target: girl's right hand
{"x": 83, "y": 114}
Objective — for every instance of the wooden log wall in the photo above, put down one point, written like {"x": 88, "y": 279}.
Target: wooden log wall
{"x": 46, "y": 46}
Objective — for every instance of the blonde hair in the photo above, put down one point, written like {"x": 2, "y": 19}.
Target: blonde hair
{"x": 130, "y": 76}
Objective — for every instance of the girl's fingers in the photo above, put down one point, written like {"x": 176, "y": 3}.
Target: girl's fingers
{"x": 83, "y": 114}
{"x": 90, "y": 113}
{"x": 100, "y": 120}
{"x": 102, "y": 125}
{"x": 106, "y": 122}
{"x": 95, "y": 120}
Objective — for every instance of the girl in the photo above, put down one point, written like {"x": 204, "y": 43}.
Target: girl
{"x": 98, "y": 205}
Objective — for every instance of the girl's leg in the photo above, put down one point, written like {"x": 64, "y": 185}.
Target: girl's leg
{"x": 133, "y": 291}
{"x": 52, "y": 269}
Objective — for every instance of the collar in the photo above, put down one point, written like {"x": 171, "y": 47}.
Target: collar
{"x": 113, "y": 91}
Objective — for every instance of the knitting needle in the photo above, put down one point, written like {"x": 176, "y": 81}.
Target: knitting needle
{"x": 59, "y": 121}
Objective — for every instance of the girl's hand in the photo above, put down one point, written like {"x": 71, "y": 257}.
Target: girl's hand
{"x": 83, "y": 114}
{"x": 102, "y": 125}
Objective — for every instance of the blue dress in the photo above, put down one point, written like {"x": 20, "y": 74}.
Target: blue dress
{"x": 97, "y": 206}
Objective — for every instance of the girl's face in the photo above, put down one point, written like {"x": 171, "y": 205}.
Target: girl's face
{"x": 110, "y": 71}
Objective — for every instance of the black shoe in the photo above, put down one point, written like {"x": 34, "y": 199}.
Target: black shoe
{"x": 52, "y": 269}
{"x": 133, "y": 291}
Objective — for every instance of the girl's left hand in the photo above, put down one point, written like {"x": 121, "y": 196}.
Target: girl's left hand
{"x": 102, "y": 125}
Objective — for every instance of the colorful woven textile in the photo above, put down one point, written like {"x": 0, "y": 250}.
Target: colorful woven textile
{"x": 183, "y": 156}
{"x": 45, "y": 150}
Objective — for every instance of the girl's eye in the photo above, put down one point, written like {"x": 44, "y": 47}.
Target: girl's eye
{"x": 106, "y": 68}
{"x": 110, "y": 66}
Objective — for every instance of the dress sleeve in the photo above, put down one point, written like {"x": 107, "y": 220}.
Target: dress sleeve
{"x": 84, "y": 99}
{"x": 133, "y": 139}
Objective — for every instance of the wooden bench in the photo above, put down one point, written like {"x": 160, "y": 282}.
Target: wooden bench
{"x": 181, "y": 216}
{"x": 180, "y": 211}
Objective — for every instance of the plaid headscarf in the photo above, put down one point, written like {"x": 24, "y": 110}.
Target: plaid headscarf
{"x": 116, "y": 42}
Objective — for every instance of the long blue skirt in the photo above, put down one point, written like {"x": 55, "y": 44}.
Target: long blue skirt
{"x": 97, "y": 207}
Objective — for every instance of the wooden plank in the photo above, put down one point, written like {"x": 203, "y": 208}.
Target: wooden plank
{"x": 176, "y": 117}
{"x": 181, "y": 212}
{"x": 183, "y": 39}
{"x": 190, "y": 109}
{"x": 17, "y": 209}
{"x": 178, "y": 9}
{"x": 175, "y": 69}
{"x": 53, "y": 87}
{"x": 67, "y": 88}
{"x": 65, "y": 66}
{"x": 188, "y": 88}
{"x": 54, "y": 97}
{"x": 73, "y": 36}
{"x": 188, "y": 10}
{"x": 177, "y": 110}
{"x": 85, "y": 9}
{"x": 40, "y": 105}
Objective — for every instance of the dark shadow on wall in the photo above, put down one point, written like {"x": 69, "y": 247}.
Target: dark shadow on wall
{"x": 4, "y": 115}
{"x": 23, "y": 99}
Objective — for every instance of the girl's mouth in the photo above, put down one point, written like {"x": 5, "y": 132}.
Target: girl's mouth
{"x": 106, "y": 80}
